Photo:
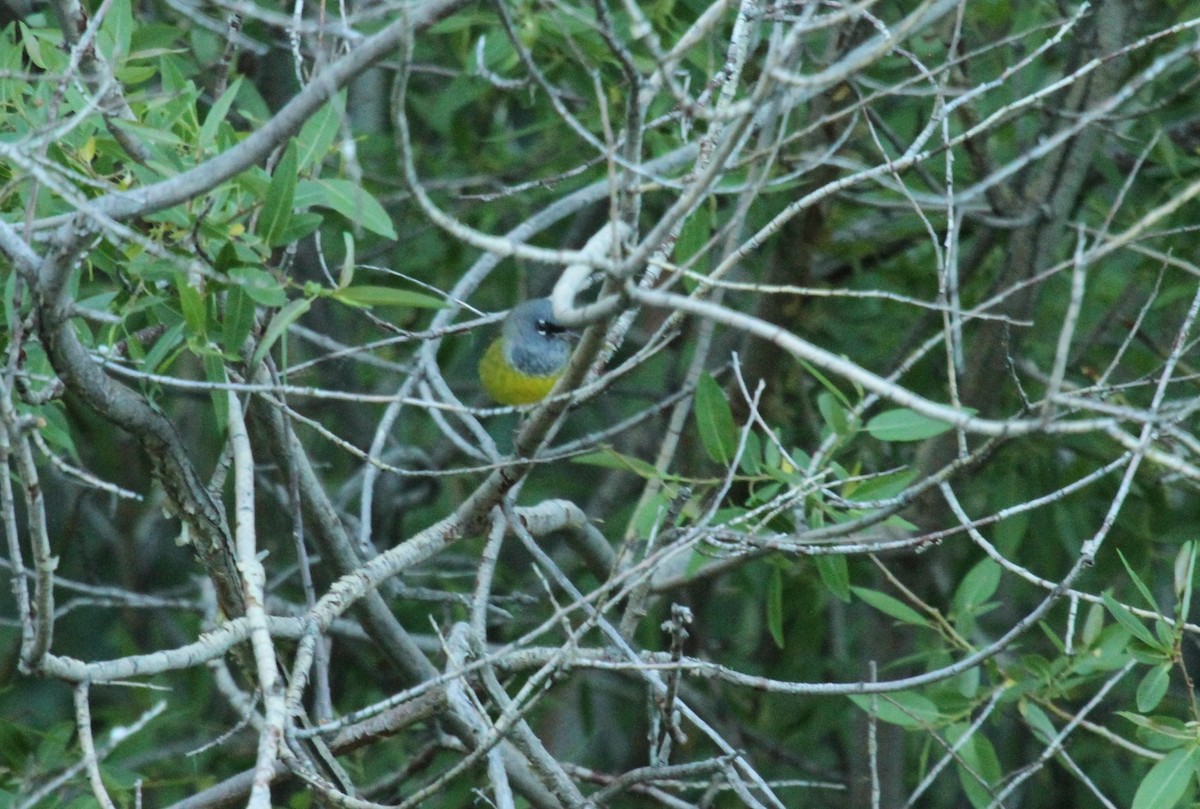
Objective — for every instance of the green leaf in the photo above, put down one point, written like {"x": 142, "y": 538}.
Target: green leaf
{"x": 1092, "y": 624}
{"x": 254, "y": 181}
{"x": 890, "y": 606}
{"x": 1110, "y": 651}
{"x": 300, "y": 225}
{"x": 1141, "y": 586}
{"x": 150, "y": 134}
{"x": 346, "y": 276}
{"x": 693, "y": 235}
{"x": 279, "y": 324}
{"x": 1161, "y": 732}
{"x": 714, "y": 421}
{"x": 56, "y": 429}
{"x": 214, "y": 372}
{"x": 609, "y": 458}
{"x": 835, "y": 573}
{"x": 1153, "y": 687}
{"x": 320, "y": 131}
{"x": 134, "y": 74}
{"x": 280, "y": 199}
{"x": 164, "y": 345}
{"x": 191, "y": 303}
{"x": 1184, "y": 572}
{"x": 1012, "y": 487}
{"x": 967, "y": 683}
{"x": 239, "y": 320}
{"x": 833, "y": 413}
{"x": 977, "y": 586}
{"x": 646, "y": 519}
{"x": 825, "y": 383}
{"x": 1167, "y": 780}
{"x": 883, "y": 487}
{"x": 977, "y": 764}
{"x": 33, "y": 46}
{"x": 52, "y": 749}
{"x": 904, "y": 708}
{"x": 751, "y": 459}
{"x": 1039, "y": 668}
{"x": 348, "y": 199}
{"x": 260, "y": 285}
{"x": 217, "y": 113}
{"x": 173, "y": 81}
{"x": 1037, "y": 720}
{"x": 775, "y": 606}
{"x": 1128, "y": 620}
{"x": 1166, "y": 634}
{"x": 1051, "y": 635}
{"x": 117, "y": 28}
{"x": 368, "y": 296}
{"x": 903, "y": 424}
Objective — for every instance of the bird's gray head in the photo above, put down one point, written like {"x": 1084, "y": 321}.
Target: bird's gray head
{"x": 534, "y": 342}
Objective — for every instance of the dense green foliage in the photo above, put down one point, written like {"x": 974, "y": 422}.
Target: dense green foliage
{"x": 881, "y": 488}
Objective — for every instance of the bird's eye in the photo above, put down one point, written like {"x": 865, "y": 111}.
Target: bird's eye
{"x": 548, "y": 327}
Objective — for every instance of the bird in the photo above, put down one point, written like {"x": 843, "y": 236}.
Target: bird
{"x": 523, "y": 363}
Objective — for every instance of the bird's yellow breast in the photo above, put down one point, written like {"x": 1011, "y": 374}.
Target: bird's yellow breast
{"x": 505, "y": 384}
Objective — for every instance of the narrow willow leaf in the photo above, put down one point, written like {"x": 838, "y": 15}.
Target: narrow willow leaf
{"x": 217, "y": 113}
{"x": 977, "y": 586}
{"x": 239, "y": 319}
{"x": 904, "y": 708}
{"x": 350, "y": 200}
{"x": 214, "y": 372}
{"x": 835, "y": 573}
{"x": 833, "y": 413}
{"x": 1141, "y": 585}
{"x": 611, "y": 459}
{"x": 693, "y": 235}
{"x": 775, "y": 606}
{"x": 281, "y": 195}
{"x": 1167, "y": 780}
{"x": 1037, "y": 720}
{"x": 117, "y": 28}
{"x": 279, "y": 324}
{"x": 825, "y": 383}
{"x": 890, "y": 606}
{"x": 346, "y": 276}
{"x": 1153, "y": 687}
{"x": 714, "y": 421}
{"x": 1093, "y": 624}
{"x": 319, "y": 132}
{"x": 1131, "y": 622}
{"x": 978, "y": 768}
{"x": 260, "y": 285}
{"x": 905, "y": 425}
{"x": 192, "y": 304}
{"x": 367, "y": 296}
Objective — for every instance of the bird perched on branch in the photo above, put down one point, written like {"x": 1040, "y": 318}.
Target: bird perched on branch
{"x": 524, "y": 362}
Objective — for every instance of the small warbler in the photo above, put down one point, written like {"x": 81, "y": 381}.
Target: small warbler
{"x": 524, "y": 362}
